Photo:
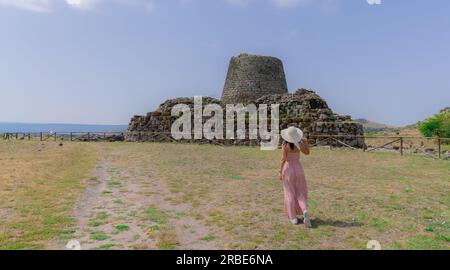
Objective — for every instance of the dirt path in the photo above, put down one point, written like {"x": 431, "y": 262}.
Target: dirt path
{"x": 130, "y": 208}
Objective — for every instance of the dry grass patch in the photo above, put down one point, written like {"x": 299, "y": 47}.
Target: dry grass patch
{"x": 39, "y": 183}
{"x": 355, "y": 196}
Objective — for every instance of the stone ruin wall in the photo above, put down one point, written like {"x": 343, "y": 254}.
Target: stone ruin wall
{"x": 303, "y": 109}
{"x": 258, "y": 80}
{"x": 309, "y": 112}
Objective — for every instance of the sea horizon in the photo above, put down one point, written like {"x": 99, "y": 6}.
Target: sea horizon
{"x": 14, "y": 127}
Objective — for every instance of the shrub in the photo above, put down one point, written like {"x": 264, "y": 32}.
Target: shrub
{"x": 437, "y": 125}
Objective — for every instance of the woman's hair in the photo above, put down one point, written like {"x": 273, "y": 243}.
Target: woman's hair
{"x": 291, "y": 145}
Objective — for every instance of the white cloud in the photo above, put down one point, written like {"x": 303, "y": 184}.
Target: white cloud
{"x": 148, "y": 5}
{"x": 83, "y": 4}
{"x": 46, "y": 5}
{"x": 288, "y": 4}
{"x": 32, "y": 5}
{"x": 374, "y": 2}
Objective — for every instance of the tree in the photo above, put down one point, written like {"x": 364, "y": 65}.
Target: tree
{"x": 437, "y": 125}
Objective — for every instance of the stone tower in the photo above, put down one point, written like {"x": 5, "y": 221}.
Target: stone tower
{"x": 251, "y": 77}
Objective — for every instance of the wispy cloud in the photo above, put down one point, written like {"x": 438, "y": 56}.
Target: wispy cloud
{"x": 32, "y": 5}
{"x": 148, "y": 5}
{"x": 289, "y": 3}
{"x": 47, "y": 5}
{"x": 83, "y": 4}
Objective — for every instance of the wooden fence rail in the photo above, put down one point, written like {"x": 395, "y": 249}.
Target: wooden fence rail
{"x": 71, "y": 136}
{"x": 401, "y": 140}
{"x": 316, "y": 140}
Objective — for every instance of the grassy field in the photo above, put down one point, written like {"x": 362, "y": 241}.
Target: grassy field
{"x": 171, "y": 196}
{"x": 39, "y": 184}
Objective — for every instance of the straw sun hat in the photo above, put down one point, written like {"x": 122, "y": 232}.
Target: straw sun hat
{"x": 293, "y": 135}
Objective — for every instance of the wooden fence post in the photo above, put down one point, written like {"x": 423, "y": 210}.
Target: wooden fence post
{"x": 55, "y": 137}
{"x": 439, "y": 147}
{"x": 401, "y": 146}
{"x": 71, "y": 136}
{"x": 89, "y": 137}
{"x": 41, "y": 136}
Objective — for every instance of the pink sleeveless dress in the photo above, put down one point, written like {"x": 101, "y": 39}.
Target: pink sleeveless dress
{"x": 294, "y": 185}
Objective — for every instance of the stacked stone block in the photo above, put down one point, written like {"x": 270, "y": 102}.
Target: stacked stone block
{"x": 258, "y": 80}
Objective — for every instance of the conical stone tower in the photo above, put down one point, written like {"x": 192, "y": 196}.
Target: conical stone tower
{"x": 258, "y": 80}
{"x": 251, "y": 77}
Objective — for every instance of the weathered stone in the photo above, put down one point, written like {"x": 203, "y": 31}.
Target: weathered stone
{"x": 252, "y": 76}
{"x": 258, "y": 80}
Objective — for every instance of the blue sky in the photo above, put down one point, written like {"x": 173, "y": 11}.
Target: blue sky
{"x": 102, "y": 61}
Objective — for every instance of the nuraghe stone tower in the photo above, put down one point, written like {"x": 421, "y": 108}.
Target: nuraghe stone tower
{"x": 251, "y": 77}
{"x": 258, "y": 80}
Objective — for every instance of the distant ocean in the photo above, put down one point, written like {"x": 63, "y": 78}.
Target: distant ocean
{"x": 28, "y": 127}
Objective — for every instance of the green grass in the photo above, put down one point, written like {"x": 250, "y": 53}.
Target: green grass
{"x": 96, "y": 223}
{"x": 122, "y": 228}
{"x": 98, "y": 236}
{"x": 234, "y": 176}
{"x": 209, "y": 238}
{"x": 106, "y": 193}
{"x": 114, "y": 184}
{"x": 354, "y": 196}
{"x": 39, "y": 184}
{"x": 106, "y": 247}
{"x": 102, "y": 215}
{"x": 156, "y": 216}
{"x": 424, "y": 242}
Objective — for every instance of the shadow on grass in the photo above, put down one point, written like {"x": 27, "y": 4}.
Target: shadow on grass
{"x": 317, "y": 222}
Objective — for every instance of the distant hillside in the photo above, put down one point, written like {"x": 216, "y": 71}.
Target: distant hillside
{"x": 29, "y": 127}
{"x": 372, "y": 127}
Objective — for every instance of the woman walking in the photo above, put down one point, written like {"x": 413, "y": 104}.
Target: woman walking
{"x": 293, "y": 176}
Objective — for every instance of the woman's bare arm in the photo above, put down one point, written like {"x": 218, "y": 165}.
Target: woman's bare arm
{"x": 304, "y": 147}
{"x": 283, "y": 159}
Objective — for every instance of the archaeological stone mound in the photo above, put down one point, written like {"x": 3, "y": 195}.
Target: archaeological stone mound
{"x": 257, "y": 80}
{"x": 250, "y": 77}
